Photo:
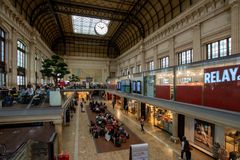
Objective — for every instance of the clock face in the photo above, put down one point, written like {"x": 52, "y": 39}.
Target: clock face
{"x": 101, "y": 28}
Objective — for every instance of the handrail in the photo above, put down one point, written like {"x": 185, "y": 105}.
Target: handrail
{"x": 13, "y": 155}
{"x": 65, "y": 104}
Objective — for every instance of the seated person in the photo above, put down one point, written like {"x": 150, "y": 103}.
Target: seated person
{"x": 107, "y": 136}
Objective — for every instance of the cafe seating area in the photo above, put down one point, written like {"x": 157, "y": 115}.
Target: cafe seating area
{"x": 107, "y": 126}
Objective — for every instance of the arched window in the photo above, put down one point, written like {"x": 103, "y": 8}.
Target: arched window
{"x": 2, "y": 58}
{"x": 21, "y": 55}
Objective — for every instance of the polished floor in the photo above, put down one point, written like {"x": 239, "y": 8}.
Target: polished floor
{"x": 80, "y": 144}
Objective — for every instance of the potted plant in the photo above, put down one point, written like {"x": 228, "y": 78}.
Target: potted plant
{"x": 73, "y": 78}
{"x": 56, "y": 69}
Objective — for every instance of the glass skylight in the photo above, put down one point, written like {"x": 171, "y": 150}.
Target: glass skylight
{"x": 86, "y": 25}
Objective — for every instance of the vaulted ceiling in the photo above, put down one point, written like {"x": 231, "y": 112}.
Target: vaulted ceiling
{"x": 130, "y": 21}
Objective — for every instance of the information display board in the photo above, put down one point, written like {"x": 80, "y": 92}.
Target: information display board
{"x": 139, "y": 152}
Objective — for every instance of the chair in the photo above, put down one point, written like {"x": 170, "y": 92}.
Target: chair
{"x": 123, "y": 138}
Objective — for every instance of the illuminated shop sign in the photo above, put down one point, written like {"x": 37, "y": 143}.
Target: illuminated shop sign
{"x": 221, "y": 74}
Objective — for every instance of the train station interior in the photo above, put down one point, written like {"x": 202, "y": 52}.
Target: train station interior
{"x": 119, "y": 80}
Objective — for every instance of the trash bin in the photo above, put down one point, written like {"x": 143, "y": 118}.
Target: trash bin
{"x": 63, "y": 157}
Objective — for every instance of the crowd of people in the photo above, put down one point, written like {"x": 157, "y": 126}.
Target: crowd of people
{"x": 26, "y": 94}
{"x": 106, "y": 125}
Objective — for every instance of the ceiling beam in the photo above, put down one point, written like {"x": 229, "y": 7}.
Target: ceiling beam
{"x": 55, "y": 17}
{"x": 73, "y": 8}
{"x": 130, "y": 18}
{"x": 56, "y": 20}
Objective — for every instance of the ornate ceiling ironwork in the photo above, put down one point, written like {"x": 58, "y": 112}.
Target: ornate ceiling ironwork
{"x": 131, "y": 21}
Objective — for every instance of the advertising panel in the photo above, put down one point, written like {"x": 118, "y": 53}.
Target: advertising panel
{"x": 222, "y": 87}
{"x": 203, "y": 134}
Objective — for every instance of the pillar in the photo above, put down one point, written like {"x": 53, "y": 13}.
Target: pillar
{"x": 172, "y": 59}
{"x": 58, "y": 130}
{"x": 135, "y": 65}
{"x": 155, "y": 61}
{"x": 142, "y": 53}
{"x": 174, "y": 137}
{"x": 197, "y": 54}
{"x": 138, "y": 109}
{"x": 235, "y": 25}
{"x": 13, "y": 56}
{"x": 31, "y": 63}
{"x": 118, "y": 70}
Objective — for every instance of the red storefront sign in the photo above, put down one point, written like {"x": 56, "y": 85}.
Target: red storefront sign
{"x": 222, "y": 87}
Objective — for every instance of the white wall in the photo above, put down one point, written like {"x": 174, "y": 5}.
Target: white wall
{"x": 97, "y": 68}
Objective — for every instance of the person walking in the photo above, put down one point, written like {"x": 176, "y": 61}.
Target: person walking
{"x": 182, "y": 146}
{"x": 185, "y": 148}
{"x": 81, "y": 105}
{"x": 114, "y": 102}
{"x": 142, "y": 124}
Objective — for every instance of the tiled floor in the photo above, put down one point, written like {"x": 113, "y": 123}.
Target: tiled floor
{"x": 80, "y": 144}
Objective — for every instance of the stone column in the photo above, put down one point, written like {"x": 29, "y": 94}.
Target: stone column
{"x": 235, "y": 25}
{"x": 129, "y": 67}
{"x": 138, "y": 109}
{"x": 58, "y": 130}
{"x": 197, "y": 53}
{"x": 108, "y": 68}
{"x": 13, "y": 58}
{"x": 174, "y": 137}
{"x": 8, "y": 43}
{"x": 172, "y": 60}
{"x": 31, "y": 63}
{"x": 155, "y": 60}
{"x": 142, "y": 53}
{"x": 135, "y": 65}
{"x": 118, "y": 70}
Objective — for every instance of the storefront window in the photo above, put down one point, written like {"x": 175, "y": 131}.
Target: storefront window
{"x": 203, "y": 84}
{"x": 150, "y": 109}
{"x": 163, "y": 119}
{"x": 164, "y": 83}
{"x": 133, "y": 107}
{"x": 232, "y": 141}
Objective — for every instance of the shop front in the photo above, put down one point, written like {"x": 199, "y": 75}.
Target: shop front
{"x": 163, "y": 119}
{"x": 159, "y": 117}
{"x": 133, "y": 107}
{"x": 83, "y": 95}
{"x": 213, "y": 139}
{"x": 210, "y": 84}
{"x": 232, "y": 142}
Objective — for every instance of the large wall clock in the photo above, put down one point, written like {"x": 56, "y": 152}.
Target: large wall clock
{"x": 101, "y": 28}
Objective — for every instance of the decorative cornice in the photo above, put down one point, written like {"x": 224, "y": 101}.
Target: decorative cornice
{"x": 195, "y": 15}
{"x": 10, "y": 15}
{"x": 198, "y": 13}
{"x": 69, "y": 58}
{"x": 15, "y": 19}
